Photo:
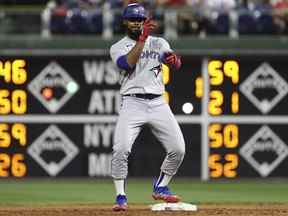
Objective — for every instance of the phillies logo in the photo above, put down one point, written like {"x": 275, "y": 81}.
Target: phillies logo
{"x": 264, "y": 88}
{"x": 53, "y": 150}
{"x": 53, "y": 87}
{"x": 264, "y": 151}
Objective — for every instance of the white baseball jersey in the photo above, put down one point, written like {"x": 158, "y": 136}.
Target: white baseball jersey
{"x": 147, "y": 76}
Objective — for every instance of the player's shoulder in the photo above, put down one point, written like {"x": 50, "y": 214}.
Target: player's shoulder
{"x": 121, "y": 43}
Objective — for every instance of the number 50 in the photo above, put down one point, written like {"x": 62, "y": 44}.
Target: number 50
{"x": 17, "y": 104}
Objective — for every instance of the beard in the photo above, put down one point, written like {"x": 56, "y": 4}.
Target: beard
{"x": 134, "y": 34}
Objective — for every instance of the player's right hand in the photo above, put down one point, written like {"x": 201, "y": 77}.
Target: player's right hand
{"x": 148, "y": 25}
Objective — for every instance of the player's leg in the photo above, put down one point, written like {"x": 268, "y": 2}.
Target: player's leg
{"x": 129, "y": 124}
{"x": 165, "y": 127}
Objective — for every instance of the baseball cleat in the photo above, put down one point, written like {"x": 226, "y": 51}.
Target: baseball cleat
{"x": 163, "y": 193}
{"x": 121, "y": 203}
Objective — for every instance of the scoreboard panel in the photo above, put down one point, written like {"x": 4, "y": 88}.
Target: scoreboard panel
{"x": 55, "y": 85}
{"x": 82, "y": 150}
{"x": 247, "y": 150}
{"x": 57, "y": 118}
{"x": 248, "y": 85}
{"x": 246, "y": 117}
{"x": 58, "y": 114}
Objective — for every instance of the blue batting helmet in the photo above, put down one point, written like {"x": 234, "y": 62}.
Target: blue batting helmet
{"x": 134, "y": 10}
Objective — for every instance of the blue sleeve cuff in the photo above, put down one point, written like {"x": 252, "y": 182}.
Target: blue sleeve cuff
{"x": 123, "y": 64}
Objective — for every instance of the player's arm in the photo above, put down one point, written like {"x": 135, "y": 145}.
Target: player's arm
{"x": 128, "y": 61}
{"x": 134, "y": 54}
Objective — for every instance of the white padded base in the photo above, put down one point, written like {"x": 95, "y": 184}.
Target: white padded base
{"x": 180, "y": 206}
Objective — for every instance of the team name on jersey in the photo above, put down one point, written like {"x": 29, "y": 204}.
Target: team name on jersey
{"x": 149, "y": 54}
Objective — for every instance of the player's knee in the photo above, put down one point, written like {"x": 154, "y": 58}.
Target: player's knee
{"x": 180, "y": 149}
{"x": 180, "y": 152}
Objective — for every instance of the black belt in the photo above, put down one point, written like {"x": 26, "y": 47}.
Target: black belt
{"x": 144, "y": 96}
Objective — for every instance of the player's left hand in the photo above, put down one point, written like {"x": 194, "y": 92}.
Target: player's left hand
{"x": 172, "y": 59}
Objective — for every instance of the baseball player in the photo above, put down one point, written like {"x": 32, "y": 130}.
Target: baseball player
{"x": 139, "y": 58}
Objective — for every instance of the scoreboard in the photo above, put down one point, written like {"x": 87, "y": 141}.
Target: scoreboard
{"x": 58, "y": 113}
{"x": 246, "y": 118}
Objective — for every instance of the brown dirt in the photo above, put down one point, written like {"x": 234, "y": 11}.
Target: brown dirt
{"x": 143, "y": 210}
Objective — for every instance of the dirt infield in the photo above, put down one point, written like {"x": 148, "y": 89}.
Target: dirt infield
{"x": 143, "y": 210}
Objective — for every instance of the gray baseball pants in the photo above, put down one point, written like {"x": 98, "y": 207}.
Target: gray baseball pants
{"x": 133, "y": 114}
